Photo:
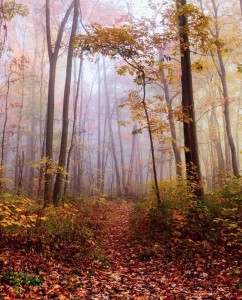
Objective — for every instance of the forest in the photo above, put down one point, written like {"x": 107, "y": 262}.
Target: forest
{"x": 120, "y": 149}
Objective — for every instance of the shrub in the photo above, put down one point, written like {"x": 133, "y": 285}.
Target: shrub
{"x": 74, "y": 226}
{"x": 216, "y": 218}
{"x": 168, "y": 217}
{"x": 16, "y": 215}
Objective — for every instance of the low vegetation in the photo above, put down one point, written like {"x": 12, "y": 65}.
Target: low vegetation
{"x": 216, "y": 218}
{"x": 60, "y": 252}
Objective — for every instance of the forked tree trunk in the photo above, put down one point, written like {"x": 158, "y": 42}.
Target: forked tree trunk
{"x": 60, "y": 176}
{"x": 53, "y": 57}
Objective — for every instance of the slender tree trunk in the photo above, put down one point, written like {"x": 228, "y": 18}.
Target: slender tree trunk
{"x": 20, "y": 177}
{"x": 123, "y": 171}
{"x": 238, "y": 127}
{"x": 99, "y": 129}
{"x": 227, "y": 117}
{"x": 189, "y": 128}
{"x": 118, "y": 179}
{"x": 128, "y": 186}
{"x": 152, "y": 148}
{"x": 16, "y": 178}
{"x": 172, "y": 125}
{"x": 217, "y": 142}
{"x": 32, "y": 125}
{"x": 4, "y": 129}
{"x": 73, "y": 126}
{"x": 105, "y": 153}
{"x": 49, "y": 132}
{"x": 53, "y": 57}
{"x": 58, "y": 188}
{"x": 42, "y": 133}
{"x": 222, "y": 75}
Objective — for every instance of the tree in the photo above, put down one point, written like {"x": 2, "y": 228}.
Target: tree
{"x": 57, "y": 194}
{"x": 7, "y": 85}
{"x": 8, "y": 10}
{"x": 125, "y": 42}
{"x": 223, "y": 77}
{"x": 53, "y": 53}
{"x": 111, "y": 134}
{"x": 189, "y": 125}
{"x": 74, "y": 126}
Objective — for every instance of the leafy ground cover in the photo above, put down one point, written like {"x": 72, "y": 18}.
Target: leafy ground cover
{"x": 109, "y": 260}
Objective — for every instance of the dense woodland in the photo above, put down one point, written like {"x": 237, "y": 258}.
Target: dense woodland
{"x": 120, "y": 149}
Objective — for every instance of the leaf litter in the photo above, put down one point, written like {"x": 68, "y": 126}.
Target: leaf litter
{"x": 126, "y": 268}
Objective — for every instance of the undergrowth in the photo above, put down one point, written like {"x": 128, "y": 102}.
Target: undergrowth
{"x": 75, "y": 228}
{"x": 181, "y": 217}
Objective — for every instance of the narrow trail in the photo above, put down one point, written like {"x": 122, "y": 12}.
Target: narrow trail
{"x": 126, "y": 276}
{"x": 124, "y": 269}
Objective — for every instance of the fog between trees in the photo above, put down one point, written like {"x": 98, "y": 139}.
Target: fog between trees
{"x": 101, "y": 143}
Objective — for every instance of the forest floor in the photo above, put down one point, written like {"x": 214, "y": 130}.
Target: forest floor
{"x": 125, "y": 269}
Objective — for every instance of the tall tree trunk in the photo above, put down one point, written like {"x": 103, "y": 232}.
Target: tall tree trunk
{"x": 58, "y": 188}
{"x": 16, "y": 178}
{"x": 222, "y": 75}
{"x": 227, "y": 116}
{"x": 118, "y": 179}
{"x": 217, "y": 142}
{"x": 128, "y": 187}
{"x": 238, "y": 127}
{"x": 105, "y": 153}
{"x": 189, "y": 128}
{"x": 42, "y": 133}
{"x": 53, "y": 57}
{"x": 99, "y": 128}
{"x": 172, "y": 125}
{"x": 4, "y": 129}
{"x": 152, "y": 148}
{"x": 123, "y": 171}
{"x": 73, "y": 134}
{"x": 31, "y": 151}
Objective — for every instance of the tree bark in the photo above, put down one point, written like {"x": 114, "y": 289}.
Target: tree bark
{"x": 53, "y": 57}
{"x": 58, "y": 188}
{"x": 172, "y": 125}
{"x": 4, "y": 129}
{"x": 222, "y": 75}
{"x": 152, "y": 148}
{"x": 189, "y": 126}
{"x": 73, "y": 126}
{"x": 118, "y": 179}
{"x": 99, "y": 128}
{"x": 128, "y": 187}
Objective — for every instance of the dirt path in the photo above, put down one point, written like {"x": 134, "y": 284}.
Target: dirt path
{"x": 147, "y": 272}
{"x": 124, "y": 269}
